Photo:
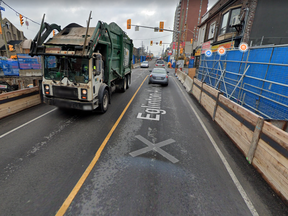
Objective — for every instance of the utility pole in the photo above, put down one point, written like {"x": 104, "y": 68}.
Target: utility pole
{"x": 185, "y": 26}
{"x": 179, "y": 36}
{"x": 4, "y": 35}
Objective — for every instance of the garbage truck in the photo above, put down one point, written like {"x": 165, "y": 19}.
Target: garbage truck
{"x": 82, "y": 66}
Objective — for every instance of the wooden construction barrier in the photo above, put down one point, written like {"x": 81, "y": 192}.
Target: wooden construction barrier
{"x": 13, "y": 102}
{"x": 271, "y": 163}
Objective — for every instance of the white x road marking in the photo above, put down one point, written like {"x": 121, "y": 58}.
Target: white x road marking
{"x": 154, "y": 147}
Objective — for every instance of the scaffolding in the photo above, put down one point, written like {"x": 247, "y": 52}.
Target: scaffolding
{"x": 256, "y": 79}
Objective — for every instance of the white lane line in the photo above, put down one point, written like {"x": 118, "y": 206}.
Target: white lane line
{"x": 3, "y": 135}
{"x": 225, "y": 162}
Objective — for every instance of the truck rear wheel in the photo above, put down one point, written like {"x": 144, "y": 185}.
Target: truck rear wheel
{"x": 128, "y": 78}
{"x": 104, "y": 102}
{"x": 124, "y": 84}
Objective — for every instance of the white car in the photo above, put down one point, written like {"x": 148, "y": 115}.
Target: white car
{"x": 145, "y": 64}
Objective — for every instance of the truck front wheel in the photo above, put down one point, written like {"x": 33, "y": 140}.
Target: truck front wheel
{"x": 104, "y": 101}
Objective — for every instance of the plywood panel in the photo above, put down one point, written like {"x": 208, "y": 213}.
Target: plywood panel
{"x": 18, "y": 105}
{"x": 196, "y": 91}
{"x": 211, "y": 90}
{"x": 238, "y": 132}
{"x": 18, "y": 93}
{"x": 192, "y": 72}
{"x": 276, "y": 134}
{"x": 275, "y": 154}
{"x": 197, "y": 81}
{"x": 241, "y": 111}
{"x": 272, "y": 170}
{"x": 208, "y": 103}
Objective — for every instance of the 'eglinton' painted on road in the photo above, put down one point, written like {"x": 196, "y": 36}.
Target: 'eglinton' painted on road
{"x": 153, "y": 110}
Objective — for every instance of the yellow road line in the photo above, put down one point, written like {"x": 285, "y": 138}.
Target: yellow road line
{"x": 81, "y": 181}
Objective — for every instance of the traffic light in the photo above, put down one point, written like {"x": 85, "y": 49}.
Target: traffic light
{"x": 53, "y": 33}
{"x": 160, "y": 43}
{"x": 10, "y": 47}
{"x": 151, "y": 43}
{"x": 129, "y": 24}
{"x": 161, "y": 26}
{"x": 181, "y": 50}
{"x": 191, "y": 41}
{"x": 21, "y": 19}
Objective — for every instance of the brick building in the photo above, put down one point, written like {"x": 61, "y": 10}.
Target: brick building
{"x": 14, "y": 37}
{"x": 191, "y": 11}
{"x": 255, "y": 22}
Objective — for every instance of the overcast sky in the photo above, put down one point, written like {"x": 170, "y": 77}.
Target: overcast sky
{"x": 63, "y": 12}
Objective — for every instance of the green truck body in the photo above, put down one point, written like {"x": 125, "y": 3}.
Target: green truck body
{"x": 82, "y": 66}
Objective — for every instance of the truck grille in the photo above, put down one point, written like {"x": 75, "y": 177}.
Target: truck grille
{"x": 65, "y": 92}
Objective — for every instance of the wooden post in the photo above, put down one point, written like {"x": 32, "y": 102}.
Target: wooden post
{"x": 201, "y": 92}
{"x": 255, "y": 139}
{"x": 216, "y": 105}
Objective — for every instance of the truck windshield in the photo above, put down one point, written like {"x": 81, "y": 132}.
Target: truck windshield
{"x": 58, "y": 67}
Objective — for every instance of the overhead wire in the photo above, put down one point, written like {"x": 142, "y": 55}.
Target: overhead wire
{"x": 1, "y": 1}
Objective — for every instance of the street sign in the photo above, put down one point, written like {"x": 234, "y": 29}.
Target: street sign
{"x": 136, "y": 28}
{"x": 221, "y": 50}
{"x": 156, "y": 29}
{"x": 1, "y": 8}
{"x": 208, "y": 53}
{"x": 243, "y": 47}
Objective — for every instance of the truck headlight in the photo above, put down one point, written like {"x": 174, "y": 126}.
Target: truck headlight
{"x": 84, "y": 91}
{"x": 84, "y": 94}
{"x": 47, "y": 89}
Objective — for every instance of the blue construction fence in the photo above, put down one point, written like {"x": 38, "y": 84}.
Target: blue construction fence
{"x": 256, "y": 79}
{"x": 191, "y": 63}
{"x": 24, "y": 62}
{"x": 139, "y": 59}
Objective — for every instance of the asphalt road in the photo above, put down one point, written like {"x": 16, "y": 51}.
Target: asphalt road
{"x": 159, "y": 160}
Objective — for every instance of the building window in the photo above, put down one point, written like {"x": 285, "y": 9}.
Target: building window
{"x": 224, "y": 23}
{"x": 14, "y": 36}
{"x": 212, "y": 30}
{"x": 234, "y": 12}
{"x": 19, "y": 35}
{"x": 227, "y": 21}
{"x": 9, "y": 36}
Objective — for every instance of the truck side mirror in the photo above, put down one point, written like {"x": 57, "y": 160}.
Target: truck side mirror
{"x": 97, "y": 68}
